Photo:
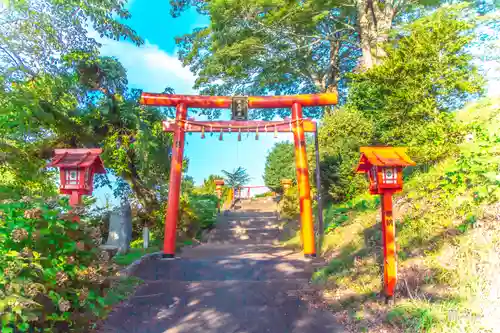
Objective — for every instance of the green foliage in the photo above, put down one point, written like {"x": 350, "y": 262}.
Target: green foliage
{"x": 196, "y": 213}
{"x": 265, "y": 195}
{"x": 78, "y": 111}
{"x": 405, "y": 101}
{"x": 427, "y": 73}
{"x": 187, "y": 185}
{"x": 280, "y": 164}
{"x": 38, "y": 36}
{"x": 340, "y": 136}
{"x": 289, "y": 206}
{"x": 336, "y": 215}
{"x": 256, "y": 39}
{"x": 236, "y": 178}
{"x": 475, "y": 167}
{"x": 446, "y": 235}
{"x": 208, "y": 186}
{"x": 51, "y": 274}
{"x": 412, "y": 318}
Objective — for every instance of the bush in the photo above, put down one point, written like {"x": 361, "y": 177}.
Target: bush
{"x": 205, "y": 209}
{"x": 196, "y": 213}
{"x": 340, "y": 136}
{"x": 280, "y": 164}
{"x": 52, "y": 277}
{"x": 289, "y": 205}
{"x": 265, "y": 195}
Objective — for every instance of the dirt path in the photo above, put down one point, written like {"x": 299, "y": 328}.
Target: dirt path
{"x": 240, "y": 281}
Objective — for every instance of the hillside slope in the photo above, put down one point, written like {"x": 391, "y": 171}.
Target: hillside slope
{"x": 448, "y": 236}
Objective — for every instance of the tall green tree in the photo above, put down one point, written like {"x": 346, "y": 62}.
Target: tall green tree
{"x": 283, "y": 47}
{"x": 428, "y": 73}
{"x": 236, "y": 178}
{"x": 36, "y": 37}
{"x": 408, "y": 100}
{"x": 280, "y": 164}
{"x": 91, "y": 108}
{"x": 287, "y": 46}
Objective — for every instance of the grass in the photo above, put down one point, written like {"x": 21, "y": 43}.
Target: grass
{"x": 446, "y": 256}
{"x": 121, "y": 290}
{"x": 133, "y": 255}
{"x": 137, "y": 251}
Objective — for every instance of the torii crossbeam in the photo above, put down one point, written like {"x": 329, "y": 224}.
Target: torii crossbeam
{"x": 297, "y": 125}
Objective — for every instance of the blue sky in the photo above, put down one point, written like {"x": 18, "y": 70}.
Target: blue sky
{"x": 154, "y": 66}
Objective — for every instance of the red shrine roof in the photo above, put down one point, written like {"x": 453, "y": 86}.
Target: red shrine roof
{"x": 383, "y": 156}
{"x": 78, "y": 158}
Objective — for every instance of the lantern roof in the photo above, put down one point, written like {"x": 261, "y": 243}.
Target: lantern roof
{"x": 383, "y": 156}
{"x": 78, "y": 158}
{"x": 219, "y": 181}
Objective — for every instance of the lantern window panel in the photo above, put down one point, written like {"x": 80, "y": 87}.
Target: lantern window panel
{"x": 390, "y": 176}
{"x": 72, "y": 177}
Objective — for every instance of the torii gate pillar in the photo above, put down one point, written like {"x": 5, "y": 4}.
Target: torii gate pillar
{"x": 306, "y": 217}
{"x": 172, "y": 213}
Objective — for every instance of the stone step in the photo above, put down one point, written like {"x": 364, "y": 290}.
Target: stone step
{"x": 224, "y": 269}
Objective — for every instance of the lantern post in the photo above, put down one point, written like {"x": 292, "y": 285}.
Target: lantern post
{"x": 218, "y": 190}
{"x": 77, "y": 168}
{"x": 384, "y": 166}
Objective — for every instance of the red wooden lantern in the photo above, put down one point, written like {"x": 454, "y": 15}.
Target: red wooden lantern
{"x": 286, "y": 183}
{"x": 218, "y": 187}
{"x": 77, "y": 168}
{"x": 384, "y": 167}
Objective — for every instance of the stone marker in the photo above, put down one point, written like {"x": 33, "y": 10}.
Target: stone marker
{"x": 145, "y": 237}
{"x": 120, "y": 228}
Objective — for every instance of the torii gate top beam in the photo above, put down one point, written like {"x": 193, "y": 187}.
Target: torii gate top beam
{"x": 224, "y": 102}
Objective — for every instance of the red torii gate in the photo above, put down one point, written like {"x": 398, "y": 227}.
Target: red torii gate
{"x": 297, "y": 125}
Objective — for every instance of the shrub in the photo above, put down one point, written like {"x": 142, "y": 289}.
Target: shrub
{"x": 280, "y": 164}
{"x": 52, "y": 278}
{"x": 265, "y": 195}
{"x": 197, "y": 212}
{"x": 340, "y": 136}
{"x": 204, "y": 208}
{"x": 289, "y": 206}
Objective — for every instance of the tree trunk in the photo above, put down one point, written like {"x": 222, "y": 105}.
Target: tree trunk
{"x": 374, "y": 22}
{"x": 332, "y": 75}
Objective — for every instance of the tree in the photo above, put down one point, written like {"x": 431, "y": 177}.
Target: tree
{"x": 339, "y": 138}
{"x": 427, "y": 74}
{"x": 280, "y": 164}
{"x": 288, "y": 47}
{"x": 407, "y": 100}
{"x": 37, "y": 37}
{"x": 52, "y": 111}
{"x": 187, "y": 185}
{"x": 238, "y": 177}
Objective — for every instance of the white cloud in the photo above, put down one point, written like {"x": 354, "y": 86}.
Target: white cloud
{"x": 148, "y": 67}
